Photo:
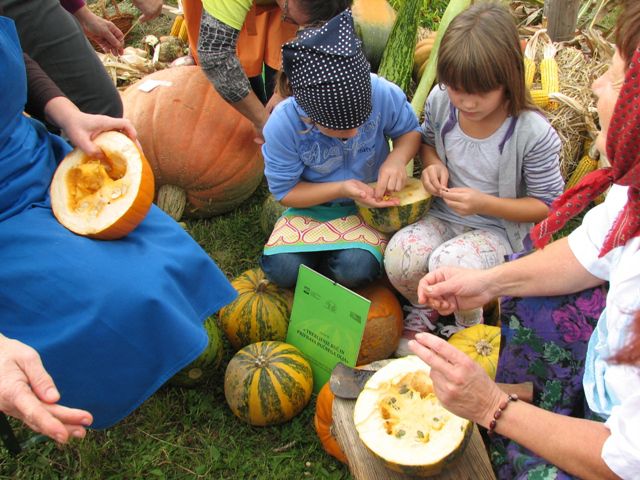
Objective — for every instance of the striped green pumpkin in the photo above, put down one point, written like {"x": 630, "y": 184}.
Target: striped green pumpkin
{"x": 414, "y": 203}
{"x": 260, "y": 312}
{"x": 268, "y": 383}
{"x": 397, "y": 59}
{"x": 207, "y": 363}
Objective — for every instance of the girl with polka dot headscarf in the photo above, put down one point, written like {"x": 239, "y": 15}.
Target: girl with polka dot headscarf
{"x": 323, "y": 146}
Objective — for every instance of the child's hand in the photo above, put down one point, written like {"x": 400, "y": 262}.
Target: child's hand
{"x": 365, "y": 194}
{"x": 392, "y": 177}
{"x": 464, "y": 201}
{"x": 435, "y": 178}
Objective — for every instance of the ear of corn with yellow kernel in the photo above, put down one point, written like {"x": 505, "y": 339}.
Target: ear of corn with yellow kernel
{"x": 540, "y": 98}
{"x": 549, "y": 75}
{"x": 175, "y": 26}
{"x": 587, "y": 164}
{"x": 183, "y": 34}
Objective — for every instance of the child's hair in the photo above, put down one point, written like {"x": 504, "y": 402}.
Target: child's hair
{"x": 480, "y": 52}
{"x": 319, "y": 12}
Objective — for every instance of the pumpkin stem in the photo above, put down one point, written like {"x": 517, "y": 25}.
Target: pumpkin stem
{"x": 262, "y": 286}
{"x": 483, "y": 348}
{"x": 172, "y": 200}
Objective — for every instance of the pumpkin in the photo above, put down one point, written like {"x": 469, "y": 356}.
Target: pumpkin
{"x": 260, "y": 312}
{"x": 272, "y": 210}
{"x": 323, "y": 423}
{"x": 384, "y": 325}
{"x": 482, "y": 344}
{"x": 208, "y": 361}
{"x": 103, "y": 198}
{"x": 421, "y": 54}
{"x": 414, "y": 203}
{"x": 400, "y": 420}
{"x": 200, "y": 148}
{"x": 267, "y": 383}
{"x": 373, "y": 20}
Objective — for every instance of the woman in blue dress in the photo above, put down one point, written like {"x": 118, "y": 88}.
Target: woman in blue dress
{"x": 110, "y": 321}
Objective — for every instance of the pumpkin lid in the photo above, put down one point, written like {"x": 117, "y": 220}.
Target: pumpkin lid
{"x": 399, "y": 418}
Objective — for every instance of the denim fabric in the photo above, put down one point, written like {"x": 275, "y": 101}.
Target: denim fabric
{"x": 350, "y": 267}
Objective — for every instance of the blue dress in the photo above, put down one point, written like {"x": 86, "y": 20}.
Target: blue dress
{"x": 112, "y": 320}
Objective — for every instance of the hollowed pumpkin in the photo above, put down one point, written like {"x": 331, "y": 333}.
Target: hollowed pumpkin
{"x": 399, "y": 419}
{"x": 103, "y": 198}
{"x": 200, "y": 148}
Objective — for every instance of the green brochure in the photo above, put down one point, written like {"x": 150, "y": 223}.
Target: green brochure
{"x": 327, "y": 323}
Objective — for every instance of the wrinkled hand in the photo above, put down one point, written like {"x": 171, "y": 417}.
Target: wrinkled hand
{"x": 363, "y": 193}
{"x": 461, "y": 385}
{"x": 150, "y": 9}
{"x": 435, "y": 178}
{"x": 27, "y": 392}
{"x": 464, "y": 201}
{"x": 392, "y": 177}
{"x": 102, "y": 31}
{"x": 450, "y": 289}
{"x": 82, "y": 128}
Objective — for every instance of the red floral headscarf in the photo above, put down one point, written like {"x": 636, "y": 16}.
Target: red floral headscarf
{"x": 623, "y": 151}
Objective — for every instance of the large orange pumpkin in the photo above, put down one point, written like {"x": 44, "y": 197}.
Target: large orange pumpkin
{"x": 323, "y": 423}
{"x": 201, "y": 149}
{"x": 384, "y": 324}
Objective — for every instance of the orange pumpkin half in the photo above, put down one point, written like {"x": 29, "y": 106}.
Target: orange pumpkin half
{"x": 200, "y": 148}
{"x": 103, "y": 198}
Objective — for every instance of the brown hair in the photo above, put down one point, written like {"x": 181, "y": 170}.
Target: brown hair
{"x": 480, "y": 52}
{"x": 630, "y": 353}
{"x": 628, "y": 29}
{"x": 319, "y": 11}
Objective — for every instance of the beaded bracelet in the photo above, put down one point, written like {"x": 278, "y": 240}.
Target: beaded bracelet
{"x": 512, "y": 397}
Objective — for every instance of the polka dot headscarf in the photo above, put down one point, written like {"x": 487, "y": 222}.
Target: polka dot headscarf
{"x": 623, "y": 151}
{"x": 329, "y": 74}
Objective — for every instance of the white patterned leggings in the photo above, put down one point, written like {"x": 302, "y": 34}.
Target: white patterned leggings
{"x": 431, "y": 243}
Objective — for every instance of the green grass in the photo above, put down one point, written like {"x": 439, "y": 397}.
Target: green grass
{"x": 190, "y": 433}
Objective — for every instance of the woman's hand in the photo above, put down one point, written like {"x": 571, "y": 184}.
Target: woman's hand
{"x": 100, "y": 30}
{"x": 461, "y": 385}
{"x": 464, "y": 201}
{"x": 363, "y": 193}
{"x": 435, "y": 178}
{"x": 392, "y": 176}
{"x": 27, "y": 392}
{"x": 82, "y": 128}
{"x": 449, "y": 289}
{"x": 150, "y": 9}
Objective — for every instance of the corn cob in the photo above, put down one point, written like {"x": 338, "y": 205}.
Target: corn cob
{"x": 587, "y": 164}
{"x": 549, "y": 77}
{"x": 539, "y": 97}
{"x": 175, "y": 26}
{"x": 184, "y": 34}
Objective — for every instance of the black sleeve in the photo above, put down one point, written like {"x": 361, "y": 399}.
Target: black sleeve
{"x": 40, "y": 88}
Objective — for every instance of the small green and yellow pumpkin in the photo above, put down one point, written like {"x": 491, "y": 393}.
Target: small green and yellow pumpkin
{"x": 260, "y": 312}
{"x": 481, "y": 343}
{"x": 414, "y": 203}
{"x": 267, "y": 383}
{"x": 401, "y": 421}
{"x": 208, "y": 362}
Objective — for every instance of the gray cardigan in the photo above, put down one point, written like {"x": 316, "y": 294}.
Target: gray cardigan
{"x": 530, "y": 139}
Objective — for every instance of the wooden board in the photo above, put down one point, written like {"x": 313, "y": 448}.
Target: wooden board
{"x": 473, "y": 465}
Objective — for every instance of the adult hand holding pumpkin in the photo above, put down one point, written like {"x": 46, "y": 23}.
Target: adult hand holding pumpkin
{"x": 82, "y": 128}
{"x": 462, "y": 385}
{"x": 28, "y": 393}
